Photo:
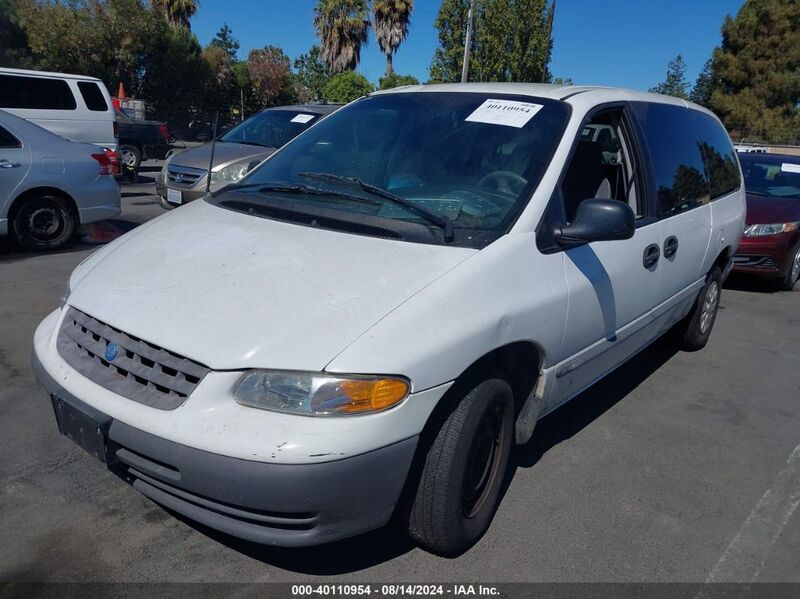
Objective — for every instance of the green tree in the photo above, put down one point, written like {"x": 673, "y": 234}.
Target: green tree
{"x": 395, "y": 80}
{"x": 346, "y": 87}
{"x": 311, "y": 75}
{"x": 512, "y": 41}
{"x": 704, "y": 85}
{"x": 224, "y": 39}
{"x": 758, "y": 69}
{"x": 391, "y": 19}
{"x": 14, "y": 50}
{"x": 342, "y": 27}
{"x": 675, "y": 83}
{"x": 177, "y": 12}
{"x": 271, "y": 77}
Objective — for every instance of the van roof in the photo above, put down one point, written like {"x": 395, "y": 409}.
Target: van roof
{"x": 47, "y": 74}
{"x": 541, "y": 90}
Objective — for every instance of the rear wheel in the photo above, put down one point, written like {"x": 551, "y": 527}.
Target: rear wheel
{"x": 792, "y": 275}
{"x": 130, "y": 158}
{"x": 463, "y": 472}
{"x": 694, "y": 331}
{"x": 43, "y": 222}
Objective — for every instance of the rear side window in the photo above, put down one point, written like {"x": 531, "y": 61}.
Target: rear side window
{"x": 7, "y": 140}
{"x": 721, "y": 161}
{"x": 675, "y": 154}
{"x": 94, "y": 98}
{"x": 36, "y": 93}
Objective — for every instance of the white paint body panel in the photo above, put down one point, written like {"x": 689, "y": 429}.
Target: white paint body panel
{"x": 235, "y": 292}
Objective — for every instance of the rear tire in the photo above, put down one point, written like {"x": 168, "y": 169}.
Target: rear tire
{"x": 43, "y": 222}
{"x": 130, "y": 159}
{"x": 463, "y": 471}
{"x": 694, "y": 331}
{"x": 788, "y": 281}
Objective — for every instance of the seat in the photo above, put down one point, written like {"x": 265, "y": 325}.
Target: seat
{"x": 584, "y": 178}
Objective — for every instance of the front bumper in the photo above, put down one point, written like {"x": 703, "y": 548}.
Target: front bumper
{"x": 288, "y": 505}
{"x": 189, "y": 194}
{"x": 767, "y": 257}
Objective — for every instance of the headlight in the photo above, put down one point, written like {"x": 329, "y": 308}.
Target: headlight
{"x": 762, "y": 230}
{"x": 232, "y": 173}
{"x": 316, "y": 394}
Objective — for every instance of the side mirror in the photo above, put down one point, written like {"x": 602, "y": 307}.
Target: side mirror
{"x": 598, "y": 220}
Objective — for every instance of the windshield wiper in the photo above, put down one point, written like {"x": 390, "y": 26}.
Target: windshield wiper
{"x": 432, "y": 217}
{"x": 247, "y": 142}
{"x": 303, "y": 189}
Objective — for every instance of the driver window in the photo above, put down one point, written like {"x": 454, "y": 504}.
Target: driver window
{"x": 602, "y": 165}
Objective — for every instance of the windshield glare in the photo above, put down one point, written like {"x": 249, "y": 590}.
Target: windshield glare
{"x": 771, "y": 176}
{"x": 421, "y": 147}
{"x": 271, "y": 128}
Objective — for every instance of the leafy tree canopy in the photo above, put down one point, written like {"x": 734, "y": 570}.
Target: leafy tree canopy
{"x": 224, "y": 39}
{"x": 346, "y": 87}
{"x": 395, "y": 80}
{"x": 311, "y": 75}
{"x": 675, "y": 84}
{"x": 758, "y": 70}
{"x": 511, "y": 41}
{"x": 271, "y": 76}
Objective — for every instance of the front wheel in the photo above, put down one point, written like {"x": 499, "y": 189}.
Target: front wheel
{"x": 792, "y": 272}
{"x": 694, "y": 331}
{"x": 463, "y": 472}
{"x": 131, "y": 159}
{"x": 43, "y": 222}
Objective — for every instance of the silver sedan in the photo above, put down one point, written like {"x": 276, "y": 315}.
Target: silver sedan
{"x": 48, "y": 185}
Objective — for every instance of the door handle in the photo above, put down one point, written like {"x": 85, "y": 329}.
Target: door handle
{"x": 7, "y": 164}
{"x": 651, "y": 255}
{"x": 670, "y": 246}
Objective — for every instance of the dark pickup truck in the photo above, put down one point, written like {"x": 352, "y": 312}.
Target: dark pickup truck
{"x": 140, "y": 140}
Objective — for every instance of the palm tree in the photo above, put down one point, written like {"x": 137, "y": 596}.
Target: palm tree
{"x": 391, "y": 26}
{"x": 342, "y": 27}
{"x": 177, "y": 12}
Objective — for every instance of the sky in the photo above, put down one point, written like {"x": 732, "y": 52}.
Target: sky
{"x": 623, "y": 43}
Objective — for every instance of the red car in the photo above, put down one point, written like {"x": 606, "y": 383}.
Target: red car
{"x": 770, "y": 246}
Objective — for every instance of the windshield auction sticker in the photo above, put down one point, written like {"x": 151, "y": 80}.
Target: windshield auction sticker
{"x": 788, "y": 167}
{"x": 302, "y": 118}
{"x": 504, "y": 112}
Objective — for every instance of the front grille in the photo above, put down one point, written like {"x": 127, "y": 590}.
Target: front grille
{"x": 141, "y": 372}
{"x": 184, "y": 176}
{"x": 755, "y": 261}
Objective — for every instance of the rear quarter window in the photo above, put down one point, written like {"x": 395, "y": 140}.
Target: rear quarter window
{"x": 93, "y": 96}
{"x": 7, "y": 140}
{"x": 35, "y": 93}
{"x": 721, "y": 160}
{"x": 675, "y": 153}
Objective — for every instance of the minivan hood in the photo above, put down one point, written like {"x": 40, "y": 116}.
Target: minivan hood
{"x": 224, "y": 153}
{"x": 235, "y": 291}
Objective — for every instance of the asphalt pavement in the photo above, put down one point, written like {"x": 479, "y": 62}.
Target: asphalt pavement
{"x": 678, "y": 467}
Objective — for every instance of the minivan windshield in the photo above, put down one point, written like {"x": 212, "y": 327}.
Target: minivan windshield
{"x": 447, "y": 161}
{"x": 772, "y": 176}
{"x": 271, "y": 128}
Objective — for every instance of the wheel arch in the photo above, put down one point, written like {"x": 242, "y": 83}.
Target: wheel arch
{"x": 42, "y": 190}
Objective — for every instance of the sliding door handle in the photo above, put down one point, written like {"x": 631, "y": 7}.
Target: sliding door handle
{"x": 651, "y": 255}
{"x": 670, "y": 246}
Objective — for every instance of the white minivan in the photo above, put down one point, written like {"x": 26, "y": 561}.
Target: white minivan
{"x": 76, "y": 107}
{"x": 365, "y": 324}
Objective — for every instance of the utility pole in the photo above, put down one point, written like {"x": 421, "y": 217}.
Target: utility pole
{"x": 467, "y": 42}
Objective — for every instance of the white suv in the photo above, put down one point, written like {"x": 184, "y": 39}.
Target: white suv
{"x": 367, "y": 322}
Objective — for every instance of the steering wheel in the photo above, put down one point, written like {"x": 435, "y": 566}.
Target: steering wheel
{"x": 504, "y": 181}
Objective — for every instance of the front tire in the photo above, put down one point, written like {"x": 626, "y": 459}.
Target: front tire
{"x": 695, "y": 330}
{"x": 464, "y": 469}
{"x": 43, "y": 222}
{"x": 792, "y": 275}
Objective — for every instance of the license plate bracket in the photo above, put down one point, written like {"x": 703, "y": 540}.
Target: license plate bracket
{"x": 174, "y": 196}
{"x": 86, "y": 431}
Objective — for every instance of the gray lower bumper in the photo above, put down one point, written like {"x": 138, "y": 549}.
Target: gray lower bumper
{"x": 276, "y": 504}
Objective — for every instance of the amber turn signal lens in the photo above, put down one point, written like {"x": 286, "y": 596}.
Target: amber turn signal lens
{"x": 372, "y": 396}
